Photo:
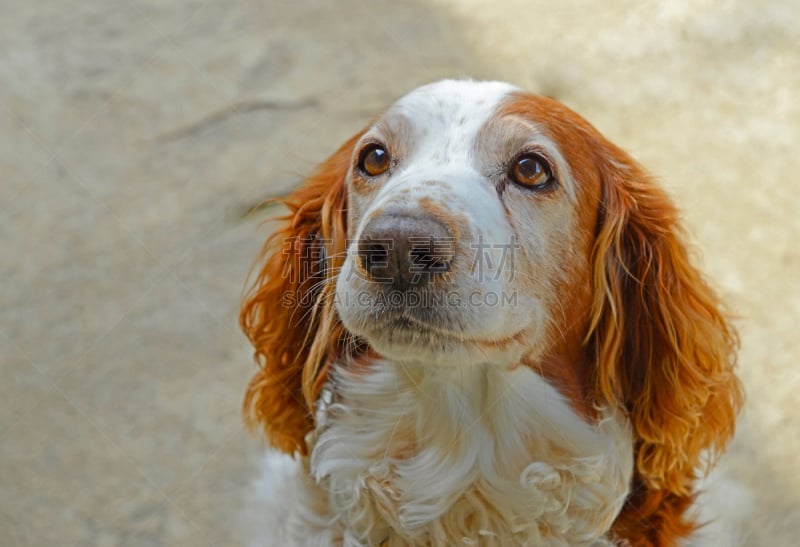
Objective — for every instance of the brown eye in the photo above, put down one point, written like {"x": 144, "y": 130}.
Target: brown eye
{"x": 374, "y": 160}
{"x": 531, "y": 171}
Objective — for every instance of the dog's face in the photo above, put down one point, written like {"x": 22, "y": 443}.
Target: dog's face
{"x": 470, "y": 228}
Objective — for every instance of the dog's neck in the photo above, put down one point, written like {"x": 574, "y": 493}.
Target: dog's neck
{"x": 412, "y": 453}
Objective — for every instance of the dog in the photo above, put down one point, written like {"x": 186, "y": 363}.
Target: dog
{"x": 479, "y": 324}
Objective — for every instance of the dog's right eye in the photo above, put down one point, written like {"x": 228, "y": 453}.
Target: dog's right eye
{"x": 374, "y": 160}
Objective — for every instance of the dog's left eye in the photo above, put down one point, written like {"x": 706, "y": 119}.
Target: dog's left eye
{"x": 530, "y": 171}
{"x": 374, "y": 160}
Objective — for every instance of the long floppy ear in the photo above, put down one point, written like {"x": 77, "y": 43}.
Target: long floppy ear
{"x": 665, "y": 350}
{"x": 288, "y": 313}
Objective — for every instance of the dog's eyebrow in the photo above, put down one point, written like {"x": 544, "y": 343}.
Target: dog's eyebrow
{"x": 393, "y": 125}
{"x": 395, "y": 130}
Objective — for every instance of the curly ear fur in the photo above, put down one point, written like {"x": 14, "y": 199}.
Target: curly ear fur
{"x": 288, "y": 314}
{"x": 665, "y": 351}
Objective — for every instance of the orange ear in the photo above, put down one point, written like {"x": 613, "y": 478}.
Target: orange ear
{"x": 666, "y": 353}
{"x": 288, "y": 314}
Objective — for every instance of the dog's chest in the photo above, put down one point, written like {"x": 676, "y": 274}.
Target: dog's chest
{"x": 408, "y": 462}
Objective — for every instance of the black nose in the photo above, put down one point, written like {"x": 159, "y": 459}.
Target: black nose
{"x": 405, "y": 250}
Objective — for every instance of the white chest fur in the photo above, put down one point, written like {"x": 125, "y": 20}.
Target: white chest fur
{"x": 473, "y": 456}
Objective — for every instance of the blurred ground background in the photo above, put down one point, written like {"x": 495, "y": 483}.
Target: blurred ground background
{"x": 135, "y": 135}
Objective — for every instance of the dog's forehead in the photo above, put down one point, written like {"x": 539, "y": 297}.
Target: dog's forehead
{"x": 464, "y": 105}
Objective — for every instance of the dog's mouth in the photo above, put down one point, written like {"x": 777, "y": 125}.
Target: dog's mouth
{"x": 405, "y": 334}
{"x": 409, "y": 321}
{"x": 412, "y": 312}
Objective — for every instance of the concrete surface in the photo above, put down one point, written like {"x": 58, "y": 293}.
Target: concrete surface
{"x": 134, "y": 136}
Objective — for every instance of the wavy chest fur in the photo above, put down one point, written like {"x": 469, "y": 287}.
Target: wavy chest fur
{"x": 412, "y": 456}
